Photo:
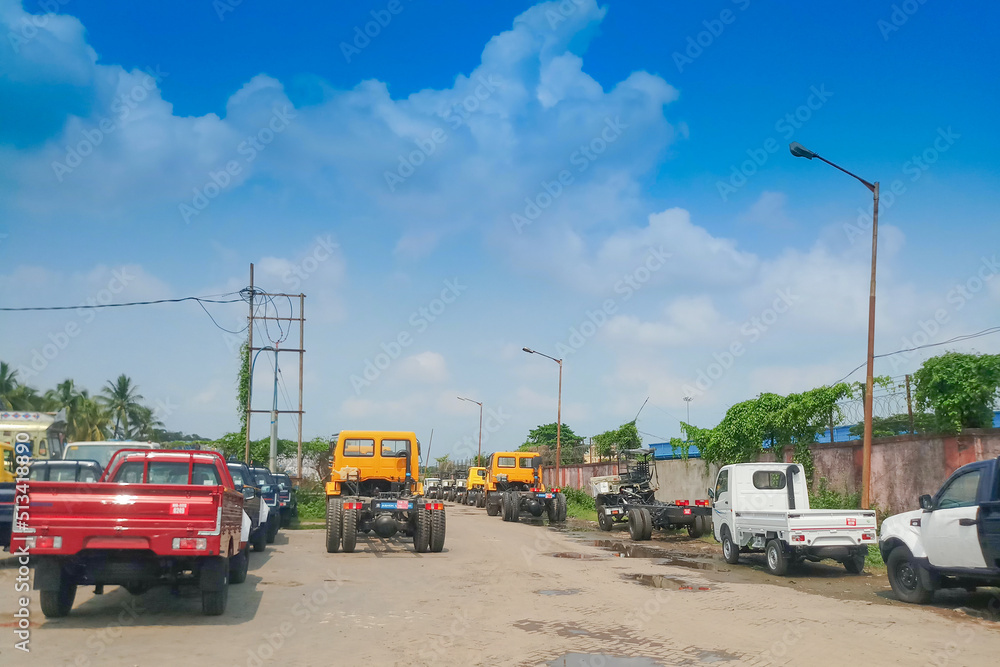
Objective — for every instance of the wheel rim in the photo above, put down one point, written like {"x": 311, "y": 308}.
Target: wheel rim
{"x": 772, "y": 558}
{"x": 906, "y": 576}
{"x": 727, "y": 547}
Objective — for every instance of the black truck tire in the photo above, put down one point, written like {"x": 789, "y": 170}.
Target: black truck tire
{"x": 636, "y": 528}
{"x": 493, "y": 503}
{"x": 258, "y": 540}
{"x": 239, "y": 565}
{"x": 561, "y": 507}
{"x": 334, "y": 524}
{"x": 349, "y": 530}
{"x": 697, "y": 527}
{"x": 604, "y": 520}
{"x": 58, "y": 603}
{"x": 904, "y": 577}
{"x": 855, "y": 563}
{"x": 730, "y": 551}
{"x": 777, "y": 562}
{"x": 421, "y": 530}
{"x": 438, "y": 527}
{"x": 273, "y": 523}
{"x": 515, "y": 505}
{"x": 214, "y": 583}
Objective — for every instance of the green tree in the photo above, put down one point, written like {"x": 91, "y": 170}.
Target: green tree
{"x": 243, "y": 388}
{"x": 543, "y": 440}
{"x": 961, "y": 390}
{"x": 121, "y": 399}
{"x": 91, "y": 420}
{"x": 8, "y": 385}
{"x": 625, "y": 436}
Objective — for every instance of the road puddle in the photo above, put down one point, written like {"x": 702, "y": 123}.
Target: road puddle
{"x": 662, "y": 556}
{"x": 576, "y": 555}
{"x": 564, "y": 591}
{"x": 666, "y": 583}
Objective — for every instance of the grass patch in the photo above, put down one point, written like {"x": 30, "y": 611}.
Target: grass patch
{"x": 312, "y": 505}
{"x": 580, "y": 505}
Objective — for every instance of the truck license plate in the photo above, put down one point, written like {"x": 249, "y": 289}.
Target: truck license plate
{"x": 402, "y": 504}
{"x": 852, "y": 522}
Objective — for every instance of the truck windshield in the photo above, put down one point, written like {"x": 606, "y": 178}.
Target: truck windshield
{"x": 167, "y": 472}
{"x": 100, "y": 453}
{"x": 263, "y": 478}
{"x": 237, "y": 473}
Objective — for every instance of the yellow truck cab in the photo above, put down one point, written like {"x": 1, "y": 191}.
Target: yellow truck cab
{"x": 46, "y": 431}
{"x": 374, "y": 486}
{"x": 514, "y": 485}
{"x": 7, "y": 471}
{"x": 475, "y": 485}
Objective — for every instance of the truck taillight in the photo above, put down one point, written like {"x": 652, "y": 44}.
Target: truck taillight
{"x": 43, "y": 542}
{"x": 434, "y": 506}
{"x": 190, "y": 544}
{"x": 354, "y": 506}
{"x": 555, "y": 490}
{"x": 798, "y": 538}
{"x": 868, "y": 536}
{"x": 682, "y": 503}
{"x": 701, "y": 503}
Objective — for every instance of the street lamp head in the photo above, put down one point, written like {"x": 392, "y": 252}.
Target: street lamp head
{"x": 528, "y": 350}
{"x": 798, "y": 150}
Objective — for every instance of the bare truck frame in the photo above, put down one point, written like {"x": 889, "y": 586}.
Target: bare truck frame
{"x": 630, "y": 496}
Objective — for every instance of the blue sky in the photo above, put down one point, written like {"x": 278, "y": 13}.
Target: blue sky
{"x": 676, "y": 97}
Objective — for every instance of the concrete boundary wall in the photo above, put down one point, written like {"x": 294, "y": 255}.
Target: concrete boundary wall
{"x": 903, "y": 468}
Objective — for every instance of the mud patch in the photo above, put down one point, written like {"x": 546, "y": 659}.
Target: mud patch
{"x": 691, "y": 561}
{"x": 591, "y": 659}
{"x": 564, "y": 591}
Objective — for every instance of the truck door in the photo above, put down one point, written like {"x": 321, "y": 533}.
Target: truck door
{"x": 722, "y": 509}
{"x": 950, "y": 531}
{"x": 989, "y": 522}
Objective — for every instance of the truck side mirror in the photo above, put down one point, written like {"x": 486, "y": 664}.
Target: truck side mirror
{"x": 926, "y": 503}
{"x": 248, "y": 493}
{"x": 711, "y": 494}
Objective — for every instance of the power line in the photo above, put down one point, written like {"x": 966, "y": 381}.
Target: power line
{"x": 956, "y": 339}
{"x": 199, "y": 299}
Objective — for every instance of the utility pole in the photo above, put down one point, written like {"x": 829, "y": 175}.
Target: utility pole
{"x": 251, "y": 357}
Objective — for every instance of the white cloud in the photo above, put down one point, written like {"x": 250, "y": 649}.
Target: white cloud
{"x": 768, "y": 211}
{"x": 424, "y": 368}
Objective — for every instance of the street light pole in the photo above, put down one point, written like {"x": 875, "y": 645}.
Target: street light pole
{"x": 798, "y": 150}
{"x": 558, "y": 483}
{"x": 688, "y": 399}
{"x": 479, "y": 456}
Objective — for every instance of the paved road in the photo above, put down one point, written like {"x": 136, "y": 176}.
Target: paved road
{"x": 496, "y": 596}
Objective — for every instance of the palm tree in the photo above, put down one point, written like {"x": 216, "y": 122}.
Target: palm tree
{"x": 24, "y": 397}
{"x": 121, "y": 398}
{"x": 144, "y": 422}
{"x": 8, "y": 383}
{"x": 90, "y": 420}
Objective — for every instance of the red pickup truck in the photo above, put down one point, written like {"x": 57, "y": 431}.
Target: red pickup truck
{"x": 155, "y": 517}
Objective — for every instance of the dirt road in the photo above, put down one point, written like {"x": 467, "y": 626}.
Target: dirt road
{"x": 500, "y": 594}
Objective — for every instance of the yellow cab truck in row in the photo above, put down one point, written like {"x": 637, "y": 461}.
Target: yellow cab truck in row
{"x": 475, "y": 486}
{"x": 374, "y": 487}
{"x": 514, "y": 485}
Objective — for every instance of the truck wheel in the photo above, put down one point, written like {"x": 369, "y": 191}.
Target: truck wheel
{"x": 855, "y": 563}
{"x": 777, "y": 563}
{"x": 505, "y": 506}
{"x": 56, "y": 604}
{"x": 636, "y": 529}
{"x": 334, "y": 508}
{"x": 647, "y": 524}
{"x": 213, "y": 601}
{"x": 696, "y": 529}
{"x": 515, "y": 505}
{"x": 349, "y": 530}
{"x": 422, "y": 531}
{"x": 904, "y": 577}
{"x": 480, "y": 499}
{"x": 604, "y": 521}
{"x": 238, "y": 566}
{"x": 437, "y": 531}
{"x": 561, "y": 509}
{"x": 259, "y": 539}
{"x": 730, "y": 551}
{"x": 273, "y": 521}
{"x": 492, "y": 504}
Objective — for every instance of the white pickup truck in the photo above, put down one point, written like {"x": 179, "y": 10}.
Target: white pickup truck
{"x": 765, "y": 507}
{"x": 953, "y": 541}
